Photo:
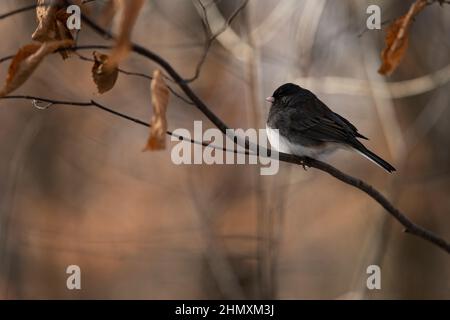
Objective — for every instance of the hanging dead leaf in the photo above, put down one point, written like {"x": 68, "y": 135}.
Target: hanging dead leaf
{"x": 397, "y": 39}
{"x": 52, "y": 22}
{"x": 105, "y": 79}
{"x": 130, "y": 11}
{"x": 46, "y": 17}
{"x": 26, "y": 61}
{"x": 160, "y": 101}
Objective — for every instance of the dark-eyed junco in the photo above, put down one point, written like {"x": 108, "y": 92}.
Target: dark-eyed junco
{"x": 307, "y": 127}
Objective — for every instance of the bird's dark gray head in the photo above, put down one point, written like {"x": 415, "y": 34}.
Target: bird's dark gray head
{"x": 285, "y": 90}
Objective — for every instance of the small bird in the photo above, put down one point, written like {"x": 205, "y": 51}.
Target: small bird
{"x": 307, "y": 127}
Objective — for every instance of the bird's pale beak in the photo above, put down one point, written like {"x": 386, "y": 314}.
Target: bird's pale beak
{"x": 270, "y": 99}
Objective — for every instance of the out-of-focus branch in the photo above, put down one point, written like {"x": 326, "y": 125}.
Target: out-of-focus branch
{"x": 217, "y": 257}
{"x": 277, "y": 17}
{"x": 396, "y": 90}
{"x": 210, "y": 36}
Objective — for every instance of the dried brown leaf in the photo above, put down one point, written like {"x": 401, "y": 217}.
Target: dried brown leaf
{"x": 104, "y": 78}
{"x": 130, "y": 12}
{"x": 26, "y": 61}
{"x": 397, "y": 39}
{"x": 52, "y": 22}
{"x": 160, "y": 101}
{"x": 46, "y": 17}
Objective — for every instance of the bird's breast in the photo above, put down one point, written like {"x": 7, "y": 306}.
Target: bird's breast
{"x": 282, "y": 144}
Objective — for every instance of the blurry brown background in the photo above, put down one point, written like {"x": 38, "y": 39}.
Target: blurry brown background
{"x": 75, "y": 187}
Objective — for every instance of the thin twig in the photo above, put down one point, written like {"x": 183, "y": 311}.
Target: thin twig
{"x": 210, "y": 38}
{"x": 130, "y": 73}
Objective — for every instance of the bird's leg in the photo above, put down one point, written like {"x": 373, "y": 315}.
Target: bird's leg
{"x": 304, "y": 163}
{"x": 305, "y": 167}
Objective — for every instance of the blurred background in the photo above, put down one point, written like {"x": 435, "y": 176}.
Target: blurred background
{"x": 75, "y": 188}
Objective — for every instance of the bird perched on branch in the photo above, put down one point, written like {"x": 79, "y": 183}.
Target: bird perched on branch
{"x": 307, "y": 127}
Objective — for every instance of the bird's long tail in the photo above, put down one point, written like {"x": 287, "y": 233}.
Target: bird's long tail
{"x": 374, "y": 158}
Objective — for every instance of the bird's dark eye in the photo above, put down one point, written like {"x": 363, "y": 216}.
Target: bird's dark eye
{"x": 280, "y": 94}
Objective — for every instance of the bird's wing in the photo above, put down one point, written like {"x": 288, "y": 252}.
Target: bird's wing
{"x": 354, "y": 129}
{"x": 344, "y": 121}
{"x": 314, "y": 120}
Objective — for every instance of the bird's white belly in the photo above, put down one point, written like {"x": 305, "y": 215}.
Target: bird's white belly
{"x": 281, "y": 144}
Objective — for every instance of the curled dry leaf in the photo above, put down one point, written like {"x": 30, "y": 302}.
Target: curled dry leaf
{"x": 26, "y": 60}
{"x": 104, "y": 78}
{"x": 130, "y": 10}
{"x": 52, "y": 22}
{"x": 46, "y": 17}
{"x": 160, "y": 101}
{"x": 397, "y": 39}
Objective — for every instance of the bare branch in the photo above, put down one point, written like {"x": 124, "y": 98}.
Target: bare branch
{"x": 137, "y": 74}
{"x": 210, "y": 38}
